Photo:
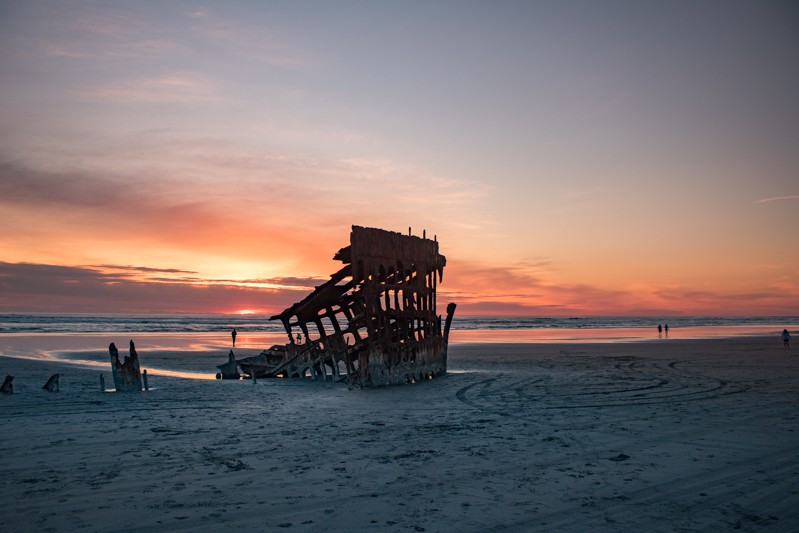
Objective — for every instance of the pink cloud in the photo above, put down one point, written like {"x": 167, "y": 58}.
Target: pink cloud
{"x": 521, "y": 289}
{"x": 28, "y": 287}
{"x": 172, "y": 88}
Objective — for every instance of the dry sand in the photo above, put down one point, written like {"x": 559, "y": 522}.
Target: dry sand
{"x": 667, "y": 435}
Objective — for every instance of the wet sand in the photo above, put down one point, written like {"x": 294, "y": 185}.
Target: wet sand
{"x": 665, "y": 435}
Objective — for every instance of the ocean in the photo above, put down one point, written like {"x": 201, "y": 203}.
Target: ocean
{"x": 121, "y": 323}
{"x": 191, "y": 346}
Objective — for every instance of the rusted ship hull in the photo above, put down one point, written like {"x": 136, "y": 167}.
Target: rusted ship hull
{"x": 373, "y": 323}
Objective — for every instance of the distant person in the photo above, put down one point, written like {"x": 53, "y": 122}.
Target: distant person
{"x": 667, "y": 330}
{"x": 786, "y": 339}
{"x": 233, "y": 334}
{"x": 660, "y": 329}
{"x": 299, "y": 338}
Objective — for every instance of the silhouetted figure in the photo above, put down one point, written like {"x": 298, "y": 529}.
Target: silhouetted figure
{"x": 299, "y": 338}
{"x": 666, "y": 329}
{"x": 786, "y": 339}
{"x": 233, "y": 334}
{"x": 660, "y": 329}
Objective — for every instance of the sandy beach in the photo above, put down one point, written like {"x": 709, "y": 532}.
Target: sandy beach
{"x": 664, "y": 435}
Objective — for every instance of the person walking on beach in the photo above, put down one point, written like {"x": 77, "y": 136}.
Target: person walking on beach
{"x": 786, "y": 339}
{"x": 660, "y": 329}
{"x": 667, "y": 330}
{"x": 233, "y": 334}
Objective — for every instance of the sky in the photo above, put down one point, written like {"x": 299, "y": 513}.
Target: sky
{"x": 572, "y": 158}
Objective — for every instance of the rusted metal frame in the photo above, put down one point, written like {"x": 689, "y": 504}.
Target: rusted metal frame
{"x": 401, "y": 284}
{"x": 307, "y": 302}
{"x": 316, "y": 366}
{"x": 348, "y": 314}
{"x": 369, "y": 294}
{"x": 393, "y": 299}
{"x": 410, "y": 305}
{"x": 304, "y": 328}
{"x": 339, "y": 336}
{"x": 287, "y": 328}
{"x": 434, "y": 287}
{"x": 353, "y": 311}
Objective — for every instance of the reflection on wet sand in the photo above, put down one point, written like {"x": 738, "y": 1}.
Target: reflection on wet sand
{"x": 196, "y": 355}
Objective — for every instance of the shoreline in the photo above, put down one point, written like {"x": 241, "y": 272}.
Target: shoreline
{"x": 183, "y": 355}
{"x": 263, "y": 339}
{"x": 615, "y": 335}
{"x": 195, "y": 356}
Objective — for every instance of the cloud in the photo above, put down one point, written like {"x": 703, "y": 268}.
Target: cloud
{"x": 109, "y": 23}
{"x": 173, "y": 88}
{"x": 148, "y": 270}
{"x": 251, "y": 41}
{"x": 27, "y": 186}
{"x": 62, "y": 50}
{"x": 223, "y": 207}
{"x": 199, "y": 13}
{"x": 86, "y": 49}
{"x": 190, "y": 277}
{"x": 26, "y": 287}
{"x": 288, "y": 282}
{"x": 534, "y": 288}
{"x": 478, "y": 289}
{"x": 527, "y": 287}
{"x": 409, "y": 184}
{"x": 108, "y": 32}
{"x": 104, "y": 213}
{"x": 777, "y": 199}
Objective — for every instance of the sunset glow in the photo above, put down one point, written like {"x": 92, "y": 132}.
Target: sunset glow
{"x": 599, "y": 159}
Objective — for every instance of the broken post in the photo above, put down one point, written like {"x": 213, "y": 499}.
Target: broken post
{"x": 102, "y": 383}
{"x": 127, "y": 375}
{"x": 52, "y": 383}
{"x": 230, "y": 369}
{"x": 7, "y": 387}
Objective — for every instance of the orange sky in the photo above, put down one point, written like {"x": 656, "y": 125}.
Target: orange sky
{"x": 614, "y": 160}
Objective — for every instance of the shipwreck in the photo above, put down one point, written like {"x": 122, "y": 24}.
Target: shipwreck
{"x": 373, "y": 323}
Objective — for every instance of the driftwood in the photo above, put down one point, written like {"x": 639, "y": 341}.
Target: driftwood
{"x": 373, "y": 323}
{"x": 52, "y": 383}
{"x": 230, "y": 369}
{"x": 7, "y": 387}
{"x": 127, "y": 375}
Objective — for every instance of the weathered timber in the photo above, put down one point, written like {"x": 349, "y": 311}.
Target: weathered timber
{"x": 373, "y": 323}
{"x": 7, "y": 387}
{"x": 230, "y": 369}
{"x": 127, "y": 375}
{"x": 52, "y": 383}
{"x": 261, "y": 364}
